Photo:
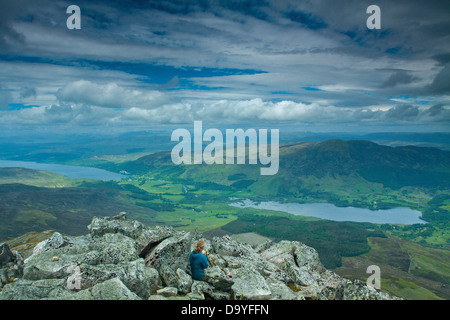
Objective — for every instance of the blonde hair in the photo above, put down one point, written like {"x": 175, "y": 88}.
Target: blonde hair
{"x": 199, "y": 247}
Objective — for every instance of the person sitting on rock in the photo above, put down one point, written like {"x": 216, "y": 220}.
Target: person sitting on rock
{"x": 198, "y": 261}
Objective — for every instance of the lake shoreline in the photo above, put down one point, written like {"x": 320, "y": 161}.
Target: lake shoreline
{"x": 328, "y": 211}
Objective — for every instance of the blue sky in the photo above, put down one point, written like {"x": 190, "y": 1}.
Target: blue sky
{"x": 140, "y": 64}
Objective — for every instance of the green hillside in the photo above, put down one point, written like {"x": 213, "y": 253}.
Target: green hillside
{"x": 38, "y": 178}
{"x": 357, "y": 173}
{"x": 25, "y": 208}
{"x": 392, "y": 167}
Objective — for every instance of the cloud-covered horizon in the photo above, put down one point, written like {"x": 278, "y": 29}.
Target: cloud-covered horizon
{"x": 86, "y": 103}
{"x": 172, "y": 62}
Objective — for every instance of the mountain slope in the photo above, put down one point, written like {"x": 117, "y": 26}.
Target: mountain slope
{"x": 25, "y": 208}
{"x": 32, "y": 177}
{"x": 393, "y": 167}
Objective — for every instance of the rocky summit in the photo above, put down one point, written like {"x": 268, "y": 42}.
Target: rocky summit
{"x": 122, "y": 259}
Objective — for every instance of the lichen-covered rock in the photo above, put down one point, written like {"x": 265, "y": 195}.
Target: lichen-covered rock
{"x": 116, "y": 224}
{"x": 176, "y": 278}
{"x": 299, "y": 275}
{"x": 157, "y": 297}
{"x": 168, "y": 276}
{"x": 73, "y": 246}
{"x": 123, "y": 259}
{"x": 218, "y": 279}
{"x": 43, "y": 266}
{"x": 172, "y": 252}
{"x": 135, "y": 275}
{"x": 300, "y": 263}
{"x": 12, "y": 264}
{"x": 140, "y": 279}
{"x": 249, "y": 285}
{"x": 233, "y": 254}
{"x": 307, "y": 257}
{"x": 311, "y": 292}
{"x": 358, "y": 290}
{"x": 332, "y": 287}
{"x": 57, "y": 240}
{"x": 195, "y": 296}
{"x": 209, "y": 291}
{"x": 216, "y": 260}
{"x": 105, "y": 250}
{"x": 167, "y": 292}
{"x": 184, "y": 281}
{"x": 225, "y": 246}
{"x": 111, "y": 248}
{"x": 113, "y": 289}
{"x": 151, "y": 237}
{"x": 33, "y": 290}
{"x": 296, "y": 252}
{"x": 201, "y": 286}
{"x": 263, "y": 246}
{"x": 280, "y": 291}
{"x": 6, "y": 256}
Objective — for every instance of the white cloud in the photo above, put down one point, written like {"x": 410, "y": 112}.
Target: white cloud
{"x": 172, "y": 113}
{"x": 111, "y": 95}
{"x": 216, "y": 113}
{"x": 46, "y": 79}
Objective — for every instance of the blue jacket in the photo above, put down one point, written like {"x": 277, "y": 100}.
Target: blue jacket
{"x": 198, "y": 262}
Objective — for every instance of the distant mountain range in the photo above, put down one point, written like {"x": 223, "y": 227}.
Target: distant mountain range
{"x": 63, "y": 149}
{"x": 393, "y": 167}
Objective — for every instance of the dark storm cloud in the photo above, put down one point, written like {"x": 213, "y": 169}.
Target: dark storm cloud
{"x": 5, "y": 97}
{"x": 307, "y": 19}
{"x": 442, "y": 58}
{"x": 437, "y": 110}
{"x": 402, "y": 112}
{"x": 441, "y": 83}
{"x": 408, "y": 27}
{"x": 397, "y": 78}
{"x": 439, "y": 113}
{"x": 9, "y": 36}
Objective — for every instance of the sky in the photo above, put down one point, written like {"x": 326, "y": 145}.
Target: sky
{"x": 142, "y": 64}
